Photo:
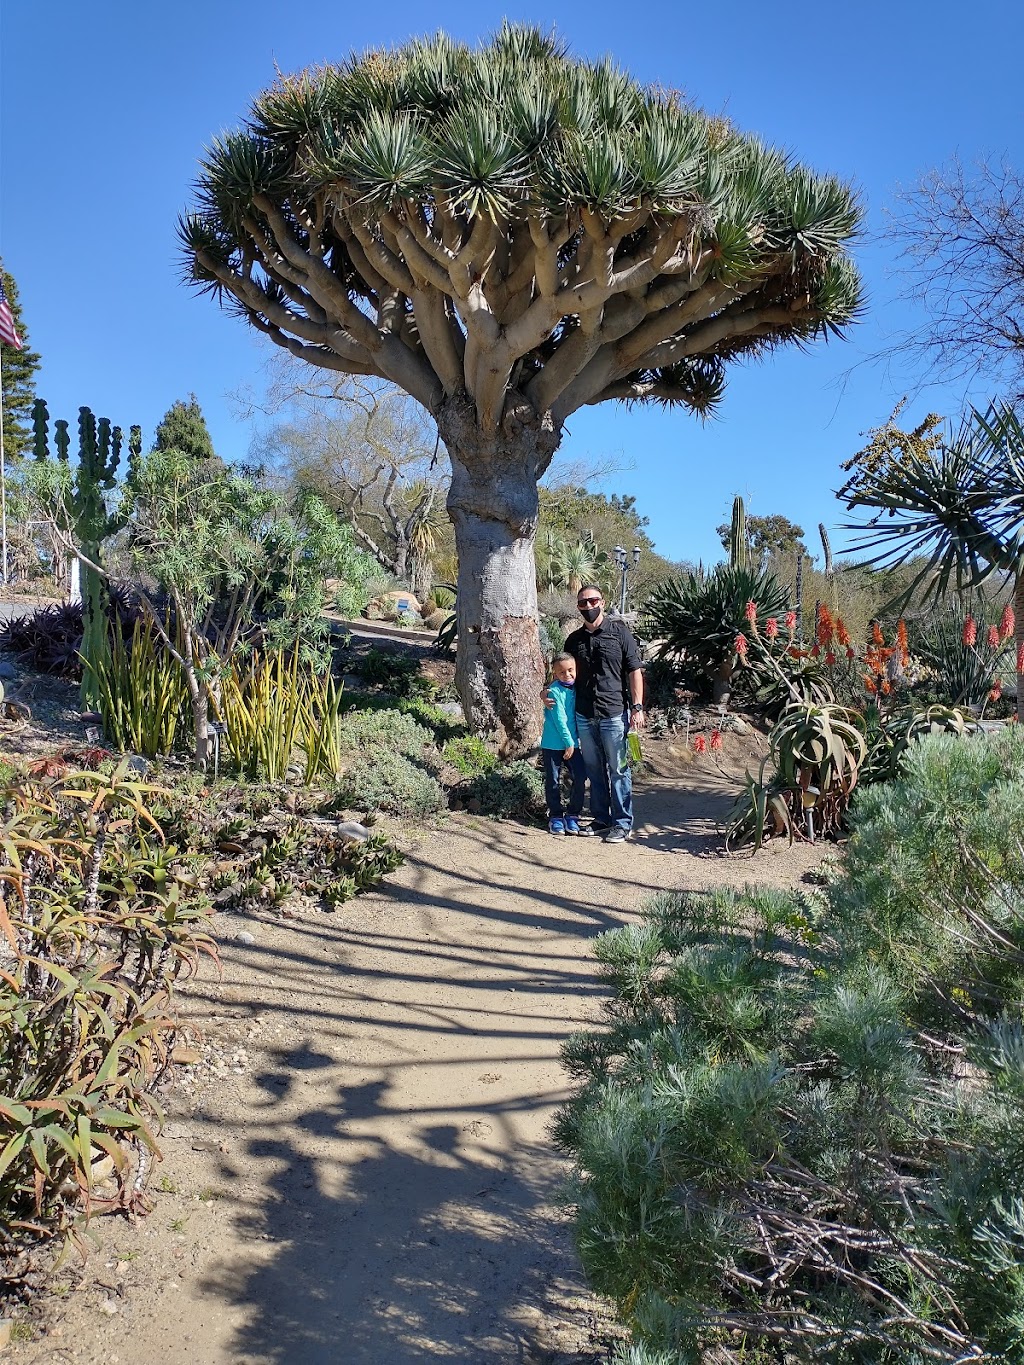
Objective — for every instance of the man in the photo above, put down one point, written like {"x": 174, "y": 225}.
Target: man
{"x": 609, "y": 700}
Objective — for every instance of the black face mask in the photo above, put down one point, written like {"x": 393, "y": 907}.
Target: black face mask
{"x": 589, "y": 613}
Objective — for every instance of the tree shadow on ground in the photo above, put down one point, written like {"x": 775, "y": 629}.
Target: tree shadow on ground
{"x": 435, "y": 1249}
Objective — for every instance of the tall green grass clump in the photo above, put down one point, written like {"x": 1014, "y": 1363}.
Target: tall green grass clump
{"x": 800, "y": 1137}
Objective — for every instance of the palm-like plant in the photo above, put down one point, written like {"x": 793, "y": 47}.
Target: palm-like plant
{"x": 701, "y": 617}
{"x": 959, "y": 500}
{"x": 571, "y": 564}
{"x": 509, "y": 234}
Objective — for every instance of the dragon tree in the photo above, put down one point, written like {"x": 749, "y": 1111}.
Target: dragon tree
{"x": 509, "y": 234}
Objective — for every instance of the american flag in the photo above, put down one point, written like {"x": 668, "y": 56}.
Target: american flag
{"x": 8, "y": 331}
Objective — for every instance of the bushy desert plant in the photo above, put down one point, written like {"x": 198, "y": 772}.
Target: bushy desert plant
{"x": 398, "y": 674}
{"x": 388, "y": 781}
{"x": 799, "y": 1138}
{"x": 441, "y": 724}
{"x": 470, "y": 756}
{"x": 513, "y": 791}
{"x": 96, "y": 923}
{"x": 384, "y": 731}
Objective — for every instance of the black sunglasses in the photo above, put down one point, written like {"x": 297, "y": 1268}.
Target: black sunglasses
{"x": 588, "y": 601}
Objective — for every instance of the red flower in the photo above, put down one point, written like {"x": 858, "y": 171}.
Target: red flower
{"x": 750, "y": 612}
{"x": 1020, "y": 658}
{"x": 741, "y": 646}
{"x": 992, "y": 638}
{"x": 825, "y": 628}
{"x": 830, "y": 659}
{"x": 996, "y": 692}
{"x": 700, "y": 744}
{"x": 876, "y": 634}
{"x": 771, "y": 627}
{"x": 1007, "y": 622}
{"x": 970, "y": 634}
{"x": 869, "y": 684}
{"x": 850, "y": 652}
{"x": 790, "y": 619}
{"x": 715, "y": 742}
{"x": 815, "y": 650}
{"x": 842, "y": 634}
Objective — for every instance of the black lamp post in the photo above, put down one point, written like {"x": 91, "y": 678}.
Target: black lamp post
{"x": 622, "y": 561}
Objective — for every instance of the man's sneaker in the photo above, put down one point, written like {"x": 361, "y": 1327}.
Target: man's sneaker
{"x": 616, "y": 835}
{"x": 556, "y": 827}
{"x": 573, "y": 826}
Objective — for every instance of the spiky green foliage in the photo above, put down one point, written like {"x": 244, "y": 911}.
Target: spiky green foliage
{"x": 959, "y": 500}
{"x": 700, "y": 615}
{"x": 407, "y": 213}
{"x": 800, "y": 1138}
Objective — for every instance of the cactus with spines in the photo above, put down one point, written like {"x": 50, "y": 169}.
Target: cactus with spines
{"x": 90, "y": 521}
{"x": 739, "y": 547}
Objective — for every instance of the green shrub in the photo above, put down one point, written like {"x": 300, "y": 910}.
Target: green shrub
{"x": 388, "y": 782}
{"x": 469, "y": 755}
{"x": 388, "y": 730}
{"x": 801, "y": 1135}
{"x": 442, "y": 725}
{"x": 399, "y": 674}
{"x": 513, "y": 790}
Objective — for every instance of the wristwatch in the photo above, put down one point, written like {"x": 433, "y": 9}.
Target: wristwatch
{"x": 636, "y": 706}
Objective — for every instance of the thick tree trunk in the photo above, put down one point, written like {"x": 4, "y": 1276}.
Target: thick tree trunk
{"x": 494, "y": 506}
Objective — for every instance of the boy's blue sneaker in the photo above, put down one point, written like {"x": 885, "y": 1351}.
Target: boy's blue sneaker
{"x": 556, "y": 827}
{"x": 573, "y": 826}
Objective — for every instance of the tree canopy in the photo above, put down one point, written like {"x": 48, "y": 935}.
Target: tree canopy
{"x": 509, "y": 234}
{"x": 183, "y": 427}
{"x": 19, "y": 372}
{"x": 515, "y": 225}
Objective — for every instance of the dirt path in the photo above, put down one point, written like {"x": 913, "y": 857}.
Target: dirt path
{"x": 365, "y": 1176}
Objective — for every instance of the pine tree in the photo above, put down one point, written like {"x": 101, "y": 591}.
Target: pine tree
{"x": 19, "y": 369}
{"x": 184, "y": 428}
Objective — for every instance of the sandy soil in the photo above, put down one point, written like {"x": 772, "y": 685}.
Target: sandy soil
{"x": 360, "y": 1171}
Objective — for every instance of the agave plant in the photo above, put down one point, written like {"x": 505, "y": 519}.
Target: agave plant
{"x": 814, "y": 761}
{"x": 509, "y": 234}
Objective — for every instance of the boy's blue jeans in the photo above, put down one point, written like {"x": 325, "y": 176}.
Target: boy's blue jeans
{"x": 603, "y": 744}
{"x": 554, "y": 762}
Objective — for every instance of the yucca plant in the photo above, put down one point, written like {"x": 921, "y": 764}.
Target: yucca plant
{"x": 510, "y": 234}
{"x": 704, "y": 621}
{"x": 141, "y": 692}
{"x": 261, "y": 704}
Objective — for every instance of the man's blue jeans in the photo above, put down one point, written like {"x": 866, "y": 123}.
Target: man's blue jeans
{"x": 603, "y": 745}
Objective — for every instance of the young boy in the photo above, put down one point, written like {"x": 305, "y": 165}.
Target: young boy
{"x": 559, "y": 745}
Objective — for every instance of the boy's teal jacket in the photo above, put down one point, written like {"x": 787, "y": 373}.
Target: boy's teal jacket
{"x": 560, "y": 720}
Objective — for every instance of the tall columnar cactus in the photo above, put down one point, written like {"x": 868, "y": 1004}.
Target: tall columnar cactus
{"x": 739, "y": 548}
{"x": 91, "y": 523}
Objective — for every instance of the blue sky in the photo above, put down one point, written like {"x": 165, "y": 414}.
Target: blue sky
{"x": 106, "y": 107}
